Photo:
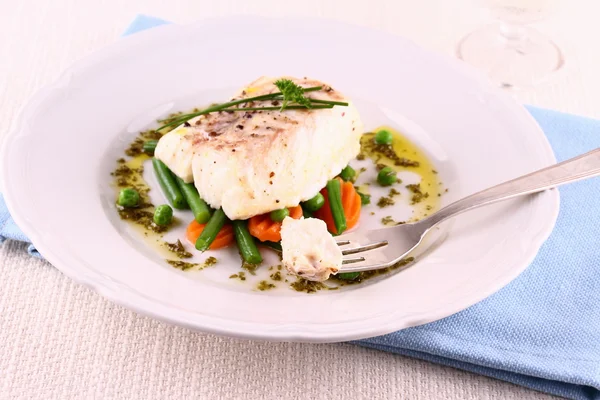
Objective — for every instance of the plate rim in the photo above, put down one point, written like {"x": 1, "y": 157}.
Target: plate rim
{"x": 137, "y": 301}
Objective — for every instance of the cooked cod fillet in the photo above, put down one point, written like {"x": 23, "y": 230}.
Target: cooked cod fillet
{"x": 250, "y": 163}
{"x": 309, "y": 250}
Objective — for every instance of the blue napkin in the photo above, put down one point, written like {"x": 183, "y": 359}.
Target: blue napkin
{"x": 541, "y": 331}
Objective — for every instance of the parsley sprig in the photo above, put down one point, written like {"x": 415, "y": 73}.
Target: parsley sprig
{"x": 290, "y": 94}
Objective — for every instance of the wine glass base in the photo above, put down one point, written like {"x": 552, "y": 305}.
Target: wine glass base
{"x": 513, "y": 57}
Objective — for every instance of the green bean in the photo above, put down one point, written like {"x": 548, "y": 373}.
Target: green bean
{"x": 273, "y": 245}
{"x": 279, "y": 215}
{"x": 245, "y": 243}
{"x": 384, "y": 137}
{"x": 387, "y": 177}
{"x": 149, "y": 146}
{"x": 314, "y": 203}
{"x": 168, "y": 184}
{"x": 364, "y": 198}
{"x": 348, "y": 276}
{"x": 199, "y": 207}
{"x": 128, "y": 198}
{"x": 163, "y": 215}
{"x": 211, "y": 230}
{"x": 306, "y": 213}
{"x": 348, "y": 174}
{"x": 334, "y": 192}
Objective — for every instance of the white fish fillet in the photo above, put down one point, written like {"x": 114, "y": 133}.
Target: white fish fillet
{"x": 309, "y": 250}
{"x": 250, "y": 163}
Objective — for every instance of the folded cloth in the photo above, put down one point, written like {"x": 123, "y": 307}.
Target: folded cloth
{"x": 541, "y": 331}
{"x": 9, "y": 230}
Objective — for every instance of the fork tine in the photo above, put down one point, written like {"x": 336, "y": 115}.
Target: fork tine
{"x": 360, "y": 249}
{"x": 380, "y": 248}
{"x": 353, "y": 260}
{"x": 343, "y": 242}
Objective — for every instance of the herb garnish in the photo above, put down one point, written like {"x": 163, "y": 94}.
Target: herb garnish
{"x": 290, "y": 93}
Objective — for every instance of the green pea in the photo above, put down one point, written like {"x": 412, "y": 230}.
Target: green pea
{"x": 383, "y": 137}
{"x": 314, "y": 203}
{"x": 348, "y": 174}
{"x": 163, "y": 215}
{"x": 128, "y": 198}
{"x": 387, "y": 177}
{"x": 279, "y": 215}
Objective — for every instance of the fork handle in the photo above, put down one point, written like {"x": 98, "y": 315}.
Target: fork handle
{"x": 574, "y": 169}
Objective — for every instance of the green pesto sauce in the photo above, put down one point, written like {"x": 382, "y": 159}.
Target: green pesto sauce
{"x": 388, "y": 220}
{"x": 371, "y": 274}
{"x": 264, "y": 285}
{"x": 251, "y": 268}
{"x": 136, "y": 147}
{"x": 403, "y": 155}
{"x": 210, "y": 261}
{"x": 182, "y": 265}
{"x": 385, "y": 202}
{"x": 178, "y": 249}
{"x": 276, "y": 276}
{"x": 128, "y": 174}
{"x": 417, "y": 194}
{"x": 240, "y": 275}
{"x": 303, "y": 285}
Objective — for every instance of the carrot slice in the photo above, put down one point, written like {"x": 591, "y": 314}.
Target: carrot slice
{"x": 265, "y": 229}
{"x": 350, "y": 202}
{"x": 224, "y": 238}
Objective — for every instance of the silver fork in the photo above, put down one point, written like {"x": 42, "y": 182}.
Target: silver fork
{"x": 386, "y": 247}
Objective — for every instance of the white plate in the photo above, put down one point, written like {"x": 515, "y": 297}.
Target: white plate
{"x": 56, "y": 164}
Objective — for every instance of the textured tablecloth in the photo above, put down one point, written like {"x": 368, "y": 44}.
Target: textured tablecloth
{"x": 59, "y": 340}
